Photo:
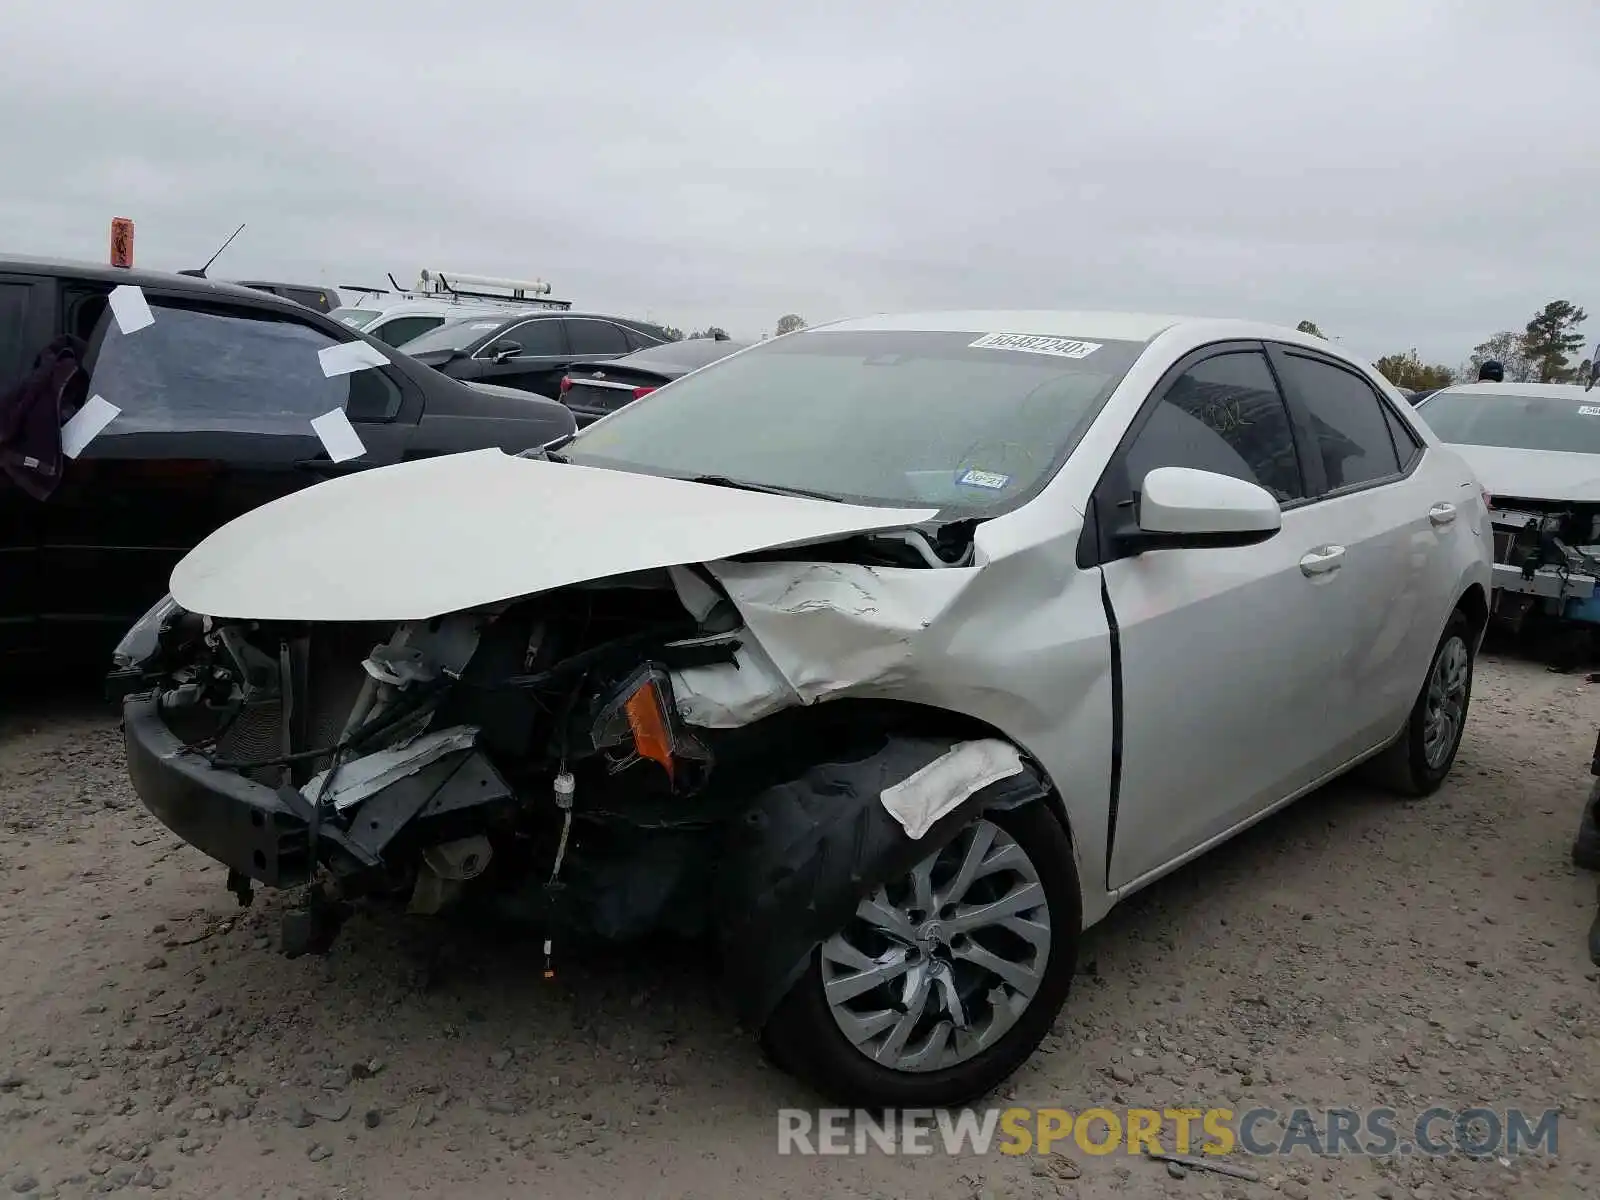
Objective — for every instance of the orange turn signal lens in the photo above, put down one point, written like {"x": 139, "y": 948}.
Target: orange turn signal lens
{"x": 648, "y": 721}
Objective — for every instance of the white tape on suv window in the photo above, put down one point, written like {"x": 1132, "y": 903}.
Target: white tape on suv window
{"x": 130, "y": 308}
{"x": 87, "y": 424}
{"x": 345, "y": 357}
{"x": 339, "y": 437}
{"x": 919, "y": 800}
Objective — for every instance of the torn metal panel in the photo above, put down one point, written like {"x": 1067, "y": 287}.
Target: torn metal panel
{"x": 829, "y": 627}
{"x": 363, "y": 777}
{"x": 919, "y": 800}
{"x": 731, "y": 695}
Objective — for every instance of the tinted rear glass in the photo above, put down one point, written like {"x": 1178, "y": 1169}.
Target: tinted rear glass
{"x": 925, "y": 419}
{"x": 1568, "y": 421}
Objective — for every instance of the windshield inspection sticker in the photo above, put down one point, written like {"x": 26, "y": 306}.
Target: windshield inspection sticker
{"x": 87, "y": 424}
{"x": 130, "y": 308}
{"x": 345, "y": 357}
{"x": 991, "y": 480}
{"x": 339, "y": 437}
{"x": 1030, "y": 343}
{"x": 1589, "y": 410}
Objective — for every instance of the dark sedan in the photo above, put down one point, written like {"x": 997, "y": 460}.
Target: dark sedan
{"x": 214, "y": 399}
{"x": 530, "y": 350}
{"x": 592, "y": 392}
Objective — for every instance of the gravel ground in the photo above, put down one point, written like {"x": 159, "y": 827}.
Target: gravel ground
{"x": 1352, "y": 951}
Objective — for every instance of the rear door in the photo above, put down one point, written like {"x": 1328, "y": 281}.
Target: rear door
{"x": 25, "y": 329}
{"x": 1224, "y": 653}
{"x": 216, "y": 401}
{"x": 1392, "y": 513}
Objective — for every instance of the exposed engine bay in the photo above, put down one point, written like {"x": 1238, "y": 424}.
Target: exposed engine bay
{"x": 1547, "y": 559}
{"x": 534, "y": 759}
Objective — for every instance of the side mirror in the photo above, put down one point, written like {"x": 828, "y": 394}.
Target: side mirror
{"x": 506, "y": 350}
{"x": 1182, "y": 507}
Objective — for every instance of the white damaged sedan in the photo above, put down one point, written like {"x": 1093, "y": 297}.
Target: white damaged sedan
{"x": 889, "y": 654}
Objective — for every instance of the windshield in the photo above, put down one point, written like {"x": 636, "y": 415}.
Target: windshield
{"x": 454, "y": 335}
{"x": 1569, "y": 422}
{"x": 681, "y": 356}
{"x": 953, "y": 420}
{"x": 356, "y": 318}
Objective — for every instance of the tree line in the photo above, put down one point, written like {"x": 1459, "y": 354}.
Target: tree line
{"x": 1547, "y": 350}
{"x": 788, "y": 323}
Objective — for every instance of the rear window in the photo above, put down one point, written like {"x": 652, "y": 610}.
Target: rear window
{"x": 212, "y": 369}
{"x": 966, "y": 421}
{"x": 1569, "y": 420}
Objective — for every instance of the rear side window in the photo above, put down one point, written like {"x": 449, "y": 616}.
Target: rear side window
{"x": 402, "y": 329}
{"x": 222, "y": 369}
{"x": 1223, "y": 414}
{"x": 596, "y": 337}
{"x": 1348, "y": 422}
{"x": 1406, "y": 445}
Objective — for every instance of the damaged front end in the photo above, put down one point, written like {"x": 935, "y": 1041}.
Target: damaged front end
{"x": 578, "y": 760}
{"x": 1547, "y": 559}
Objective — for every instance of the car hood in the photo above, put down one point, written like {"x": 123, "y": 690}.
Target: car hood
{"x": 1535, "y": 474}
{"x": 439, "y": 535}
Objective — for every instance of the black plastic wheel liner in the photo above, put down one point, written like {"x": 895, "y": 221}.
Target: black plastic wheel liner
{"x": 798, "y": 862}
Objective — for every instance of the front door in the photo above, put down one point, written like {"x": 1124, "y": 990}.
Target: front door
{"x": 1224, "y": 653}
{"x": 541, "y": 357}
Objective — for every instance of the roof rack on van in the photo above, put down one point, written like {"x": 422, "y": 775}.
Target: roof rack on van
{"x": 508, "y": 291}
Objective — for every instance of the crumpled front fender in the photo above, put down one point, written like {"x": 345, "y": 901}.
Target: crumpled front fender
{"x": 805, "y": 854}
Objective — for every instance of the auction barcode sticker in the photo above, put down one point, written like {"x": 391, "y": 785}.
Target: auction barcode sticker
{"x": 1589, "y": 410}
{"x": 1032, "y": 343}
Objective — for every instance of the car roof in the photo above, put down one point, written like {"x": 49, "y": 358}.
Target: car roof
{"x": 1547, "y": 391}
{"x": 65, "y": 268}
{"x": 441, "y": 308}
{"x": 1111, "y": 326}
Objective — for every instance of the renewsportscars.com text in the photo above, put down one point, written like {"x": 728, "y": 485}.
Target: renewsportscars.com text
{"x": 1378, "y": 1132}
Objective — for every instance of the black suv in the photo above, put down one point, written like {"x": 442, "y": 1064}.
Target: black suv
{"x": 216, "y": 399}
{"x": 530, "y": 350}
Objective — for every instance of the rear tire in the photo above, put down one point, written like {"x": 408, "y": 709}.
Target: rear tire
{"x": 805, "y": 1034}
{"x": 1419, "y": 762}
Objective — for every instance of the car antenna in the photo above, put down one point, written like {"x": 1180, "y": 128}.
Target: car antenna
{"x": 201, "y": 273}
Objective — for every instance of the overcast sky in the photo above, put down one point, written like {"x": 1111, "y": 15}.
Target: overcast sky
{"x": 1403, "y": 172}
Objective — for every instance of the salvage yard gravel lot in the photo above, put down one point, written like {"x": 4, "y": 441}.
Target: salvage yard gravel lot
{"x": 1353, "y": 951}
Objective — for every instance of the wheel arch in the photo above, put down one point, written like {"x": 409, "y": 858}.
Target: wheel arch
{"x": 797, "y": 861}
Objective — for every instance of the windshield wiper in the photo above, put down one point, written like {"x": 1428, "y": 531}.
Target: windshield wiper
{"x": 745, "y": 485}
{"x": 547, "y": 450}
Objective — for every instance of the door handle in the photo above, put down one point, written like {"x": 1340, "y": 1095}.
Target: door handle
{"x": 1442, "y": 513}
{"x": 1322, "y": 560}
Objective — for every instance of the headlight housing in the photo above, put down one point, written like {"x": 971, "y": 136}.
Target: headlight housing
{"x": 141, "y": 642}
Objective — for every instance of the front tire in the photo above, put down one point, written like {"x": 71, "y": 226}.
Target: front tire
{"x": 1418, "y": 763}
{"x": 944, "y": 982}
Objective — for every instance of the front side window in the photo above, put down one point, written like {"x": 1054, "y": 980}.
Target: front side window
{"x": 535, "y": 338}
{"x": 1347, "y": 419}
{"x": 971, "y": 421}
{"x": 1225, "y": 415}
{"x": 219, "y": 369}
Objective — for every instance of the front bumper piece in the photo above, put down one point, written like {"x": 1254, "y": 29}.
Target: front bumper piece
{"x": 265, "y": 833}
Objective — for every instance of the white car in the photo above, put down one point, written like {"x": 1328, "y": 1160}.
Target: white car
{"x": 1536, "y": 448}
{"x": 891, "y": 653}
{"x": 397, "y": 324}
